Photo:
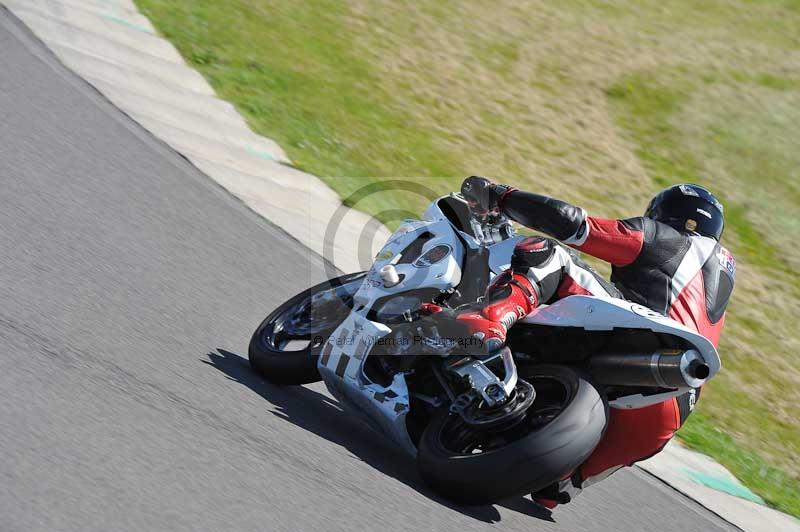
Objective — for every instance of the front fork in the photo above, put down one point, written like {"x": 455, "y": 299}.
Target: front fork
{"x": 483, "y": 382}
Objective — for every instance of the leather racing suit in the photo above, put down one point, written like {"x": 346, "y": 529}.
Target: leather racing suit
{"x": 686, "y": 276}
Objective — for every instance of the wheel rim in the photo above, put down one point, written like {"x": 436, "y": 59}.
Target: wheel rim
{"x": 553, "y": 394}
{"x": 305, "y": 323}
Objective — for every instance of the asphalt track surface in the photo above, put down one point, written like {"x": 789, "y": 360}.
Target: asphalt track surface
{"x": 129, "y": 287}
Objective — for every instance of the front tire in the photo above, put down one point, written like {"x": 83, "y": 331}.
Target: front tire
{"x": 305, "y": 318}
{"x": 560, "y": 430}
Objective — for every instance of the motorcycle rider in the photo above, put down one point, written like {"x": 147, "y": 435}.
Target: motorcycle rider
{"x": 669, "y": 260}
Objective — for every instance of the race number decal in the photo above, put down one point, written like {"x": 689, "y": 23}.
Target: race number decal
{"x": 727, "y": 261}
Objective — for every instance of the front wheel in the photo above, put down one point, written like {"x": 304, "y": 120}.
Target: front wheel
{"x": 559, "y": 431}
{"x": 285, "y": 347}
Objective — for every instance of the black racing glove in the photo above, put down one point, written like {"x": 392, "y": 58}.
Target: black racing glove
{"x": 482, "y": 195}
{"x": 442, "y": 326}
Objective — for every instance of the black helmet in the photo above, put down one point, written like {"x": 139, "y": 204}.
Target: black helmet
{"x": 689, "y": 208}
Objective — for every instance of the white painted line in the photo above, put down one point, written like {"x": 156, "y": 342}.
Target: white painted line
{"x": 44, "y": 26}
{"x": 155, "y": 89}
{"x": 236, "y": 135}
{"x": 173, "y": 81}
{"x": 81, "y": 17}
{"x": 53, "y": 31}
{"x": 252, "y": 161}
{"x": 120, "y": 5}
{"x": 304, "y": 215}
{"x": 120, "y": 56}
{"x": 108, "y": 10}
{"x": 279, "y": 176}
{"x": 161, "y": 98}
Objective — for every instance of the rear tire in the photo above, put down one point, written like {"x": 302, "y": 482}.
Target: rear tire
{"x": 279, "y": 366}
{"x": 454, "y": 463}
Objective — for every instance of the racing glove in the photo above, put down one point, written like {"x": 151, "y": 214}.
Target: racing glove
{"x": 510, "y": 297}
{"x": 483, "y": 196}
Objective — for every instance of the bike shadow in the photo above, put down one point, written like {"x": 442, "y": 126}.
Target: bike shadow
{"x": 320, "y": 415}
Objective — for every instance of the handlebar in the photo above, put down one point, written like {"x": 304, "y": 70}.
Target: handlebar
{"x": 488, "y": 228}
{"x": 491, "y": 229}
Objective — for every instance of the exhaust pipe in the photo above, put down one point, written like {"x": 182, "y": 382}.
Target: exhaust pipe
{"x": 662, "y": 369}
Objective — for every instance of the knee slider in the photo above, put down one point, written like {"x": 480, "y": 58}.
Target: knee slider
{"x": 532, "y": 252}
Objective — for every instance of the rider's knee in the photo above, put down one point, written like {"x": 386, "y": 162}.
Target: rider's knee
{"x": 532, "y": 252}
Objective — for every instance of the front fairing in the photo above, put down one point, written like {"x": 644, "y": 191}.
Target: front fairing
{"x": 411, "y": 242}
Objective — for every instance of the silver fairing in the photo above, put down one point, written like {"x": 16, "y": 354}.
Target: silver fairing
{"x": 341, "y": 366}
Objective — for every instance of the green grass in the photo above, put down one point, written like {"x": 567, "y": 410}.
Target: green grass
{"x": 596, "y": 102}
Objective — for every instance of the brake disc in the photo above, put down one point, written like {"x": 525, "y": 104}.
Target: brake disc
{"x": 478, "y": 415}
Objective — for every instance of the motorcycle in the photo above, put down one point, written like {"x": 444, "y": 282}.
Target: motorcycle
{"x": 482, "y": 426}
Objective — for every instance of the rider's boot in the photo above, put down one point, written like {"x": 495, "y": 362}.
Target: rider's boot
{"x": 560, "y": 492}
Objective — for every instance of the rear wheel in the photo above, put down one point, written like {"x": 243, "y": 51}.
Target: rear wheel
{"x": 285, "y": 347}
{"x": 560, "y": 429}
